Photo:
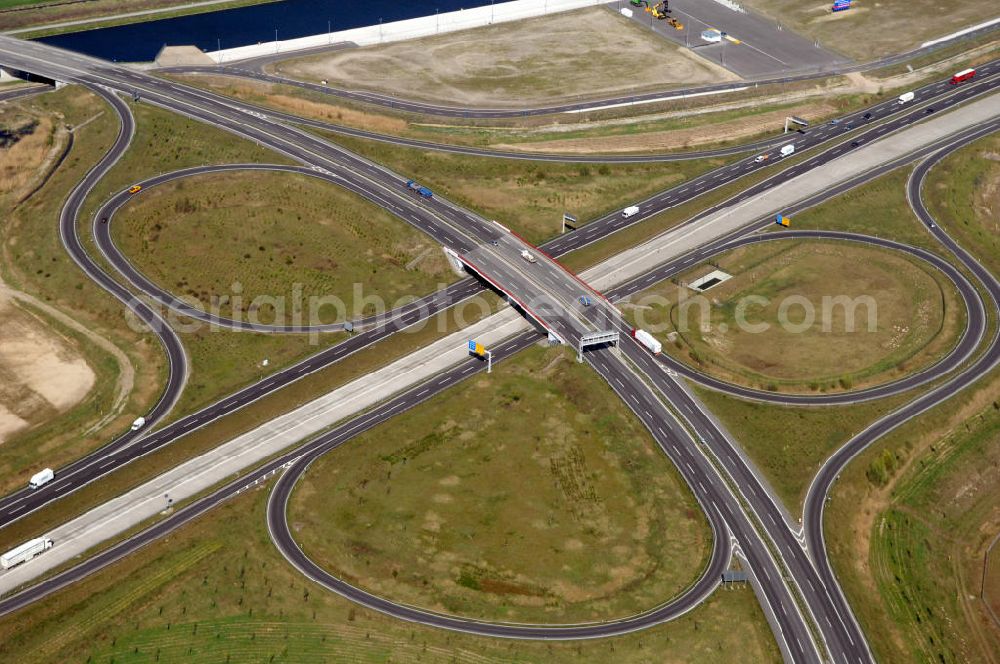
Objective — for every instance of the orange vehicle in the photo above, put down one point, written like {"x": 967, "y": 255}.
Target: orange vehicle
{"x": 134, "y": 188}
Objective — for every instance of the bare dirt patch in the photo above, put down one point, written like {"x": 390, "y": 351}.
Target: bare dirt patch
{"x": 589, "y": 53}
{"x": 41, "y": 373}
{"x": 262, "y": 92}
{"x": 29, "y": 146}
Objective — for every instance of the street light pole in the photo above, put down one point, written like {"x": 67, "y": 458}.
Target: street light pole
{"x": 275, "y": 40}
{"x": 329, "y": 36}
{"x": 218, "y": 48}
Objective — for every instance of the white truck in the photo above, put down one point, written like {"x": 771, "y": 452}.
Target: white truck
{"x": 139, "y": 423}
{"x": 630, "y": 211}
{"x": 527, "y": 255}
{"x": 25, "y": 552}
{"x": 40, "y": 478}
{"x": 647, "y": 340}
{"x": 787, "y": 150}
{"x": 905, "y": 97}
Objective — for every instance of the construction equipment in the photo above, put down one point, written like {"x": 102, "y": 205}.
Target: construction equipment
{"x": 640, "y": 3}
{"x": 661, "y": 9}
{"x": 677, "y": 25}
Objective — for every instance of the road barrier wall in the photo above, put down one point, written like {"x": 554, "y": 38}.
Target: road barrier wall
{"x": 424, "y": 26}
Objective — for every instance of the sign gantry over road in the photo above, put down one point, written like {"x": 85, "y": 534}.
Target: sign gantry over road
{"x": 596, "y": 339}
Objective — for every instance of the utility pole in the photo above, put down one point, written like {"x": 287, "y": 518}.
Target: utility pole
{"x": 329, "y": 35}
{"x": 218, "y": 48}
{"x": 275, "y": 40}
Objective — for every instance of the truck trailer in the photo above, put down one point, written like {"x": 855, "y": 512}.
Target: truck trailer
{"x": 647, "y": 340}
{"x": 25, "y": 552}
{"x": 905, "y": 97}
{"x": 964, "y": 75}
{"x": 40, "y": 478}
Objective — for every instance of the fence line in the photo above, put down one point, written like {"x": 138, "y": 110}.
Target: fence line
{"x": 423, "y": 26}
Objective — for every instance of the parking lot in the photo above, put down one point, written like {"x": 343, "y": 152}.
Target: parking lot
{"x": 756, "y": 48}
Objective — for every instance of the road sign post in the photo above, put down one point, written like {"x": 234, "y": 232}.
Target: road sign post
{"x": 477, "y": 349}
{"x": 568, "y": 219}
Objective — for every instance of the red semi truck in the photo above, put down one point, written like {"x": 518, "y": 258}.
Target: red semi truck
{"x": 964, "y": 75}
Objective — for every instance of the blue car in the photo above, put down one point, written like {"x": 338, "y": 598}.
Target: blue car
{"x": 585, "y": 301}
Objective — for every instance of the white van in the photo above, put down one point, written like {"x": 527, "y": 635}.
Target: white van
{"x": 40, "y": 478}
{"x": 787, "y": 150}
{"x": 630, "y": 211}
{"x": 139, "y": 423}
{"x": 905, "y": 97}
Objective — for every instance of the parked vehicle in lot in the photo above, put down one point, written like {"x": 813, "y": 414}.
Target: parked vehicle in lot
{"x": 905, "y": 97}
{"x": 647, "y": 340}
{"x": 964, "y": 75}
{"x": 25, "y": 552}
{"x": 527, "y": 255}
{"x": 787, "y": 150}
{"x": 138, "y": 423}
{"x": 630, "y": 211}
{"x": 40, "y": 478}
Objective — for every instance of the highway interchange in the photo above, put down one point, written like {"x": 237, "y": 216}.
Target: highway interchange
{"x": 713, "y": 467}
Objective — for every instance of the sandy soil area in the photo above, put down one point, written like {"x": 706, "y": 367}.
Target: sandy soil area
{"x": 587, "y": 53}
{"x": 40, "y": 372}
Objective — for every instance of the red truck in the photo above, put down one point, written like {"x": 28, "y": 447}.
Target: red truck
{"x": 964, "y": 75}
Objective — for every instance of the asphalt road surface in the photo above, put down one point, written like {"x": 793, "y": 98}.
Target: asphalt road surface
{"x": 819, "y": 490}
{"x": 254, "y": 68}
{"x": 762, "y": 47}
{"x": 467, "y": 230}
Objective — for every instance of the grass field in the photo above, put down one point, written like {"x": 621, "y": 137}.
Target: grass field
{"x": 530, "y": 495}
{"x": 516, "y": 63}
{"x": 963, "y": 193}
{"x": 528, "y": 196}
{"x": 34, "y": 262}
{"x": 218, "y": 591}
{"x": 700, "y": 121}
{"x": 275, "y": 243}
{"x": 238, "y": 367}
{"x": 911, "y": 517}
{"x": 901, "y": 315}
{"x": 872, "y": 29}
{"x": 908, "y": 526}
{"x": 789, "y": 444}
